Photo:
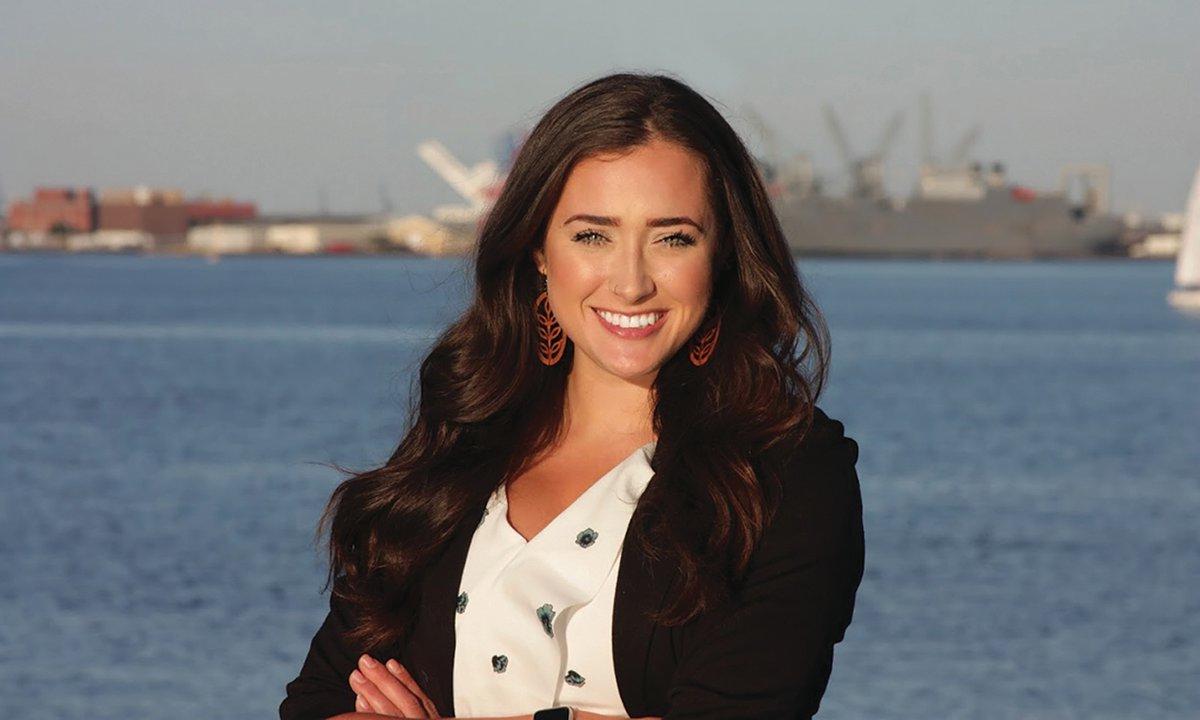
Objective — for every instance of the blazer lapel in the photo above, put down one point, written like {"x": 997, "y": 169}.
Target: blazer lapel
{"x": 429, "y": 651}
{"x": 642, "y": 587}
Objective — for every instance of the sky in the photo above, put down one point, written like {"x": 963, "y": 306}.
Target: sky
{"x": 296, "y": 104}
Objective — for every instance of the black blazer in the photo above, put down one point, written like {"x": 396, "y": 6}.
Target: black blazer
{"x": 766, "y": 655}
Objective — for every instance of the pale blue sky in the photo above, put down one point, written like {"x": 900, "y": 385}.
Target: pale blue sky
{"x": 269, "y": 100}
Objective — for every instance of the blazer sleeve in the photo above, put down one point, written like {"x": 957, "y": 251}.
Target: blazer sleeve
{"x": 322, "y": 689}
{"x": 768, "y": 653}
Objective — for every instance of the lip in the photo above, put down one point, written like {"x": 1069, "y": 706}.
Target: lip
{"x": 640, "y": 311}
{"x": 632, "y": 333}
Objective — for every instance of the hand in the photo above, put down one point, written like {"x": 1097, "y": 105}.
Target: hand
{"x": 389, "y": 689}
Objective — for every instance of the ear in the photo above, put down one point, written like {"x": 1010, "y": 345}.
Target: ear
{"x": 539, "y": 260}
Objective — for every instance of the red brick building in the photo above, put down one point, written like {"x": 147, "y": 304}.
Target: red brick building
{"x": 161, "y": 213}
{"x": 69, "y": 209}
{"x": 224, "y": 210}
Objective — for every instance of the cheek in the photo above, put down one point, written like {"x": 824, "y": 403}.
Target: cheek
{"x": 573, "y": 281}
{"x": 689, "y": 284}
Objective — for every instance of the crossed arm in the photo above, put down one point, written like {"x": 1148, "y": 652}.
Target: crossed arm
{"x": 389, "y": 690}
{"x": 375, "y": 689}
{"x": 768, "y": 656}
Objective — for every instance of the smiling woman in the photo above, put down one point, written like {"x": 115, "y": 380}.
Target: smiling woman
{"x": 617, "y": 497}
{"x": 630, "y": 271}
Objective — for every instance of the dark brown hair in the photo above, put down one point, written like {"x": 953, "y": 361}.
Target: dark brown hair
{"x": 486, "y": 406}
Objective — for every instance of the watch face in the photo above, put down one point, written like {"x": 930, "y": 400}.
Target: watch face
{"x": 558, "y": 713}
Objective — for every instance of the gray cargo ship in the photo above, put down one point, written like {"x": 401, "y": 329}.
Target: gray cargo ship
{"x": 958, "y": 209}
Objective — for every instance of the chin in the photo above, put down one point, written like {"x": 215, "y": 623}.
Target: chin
{"x": 631, "y": 370}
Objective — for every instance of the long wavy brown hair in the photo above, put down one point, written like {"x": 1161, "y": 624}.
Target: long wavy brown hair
{"x": 486, "y": 406}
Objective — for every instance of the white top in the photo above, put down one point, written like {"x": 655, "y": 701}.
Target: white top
{"x": 533, "y": 627}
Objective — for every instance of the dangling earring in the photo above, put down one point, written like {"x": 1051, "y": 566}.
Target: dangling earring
{"x": 551, "y": 340}
{"x": 703, "y": 346}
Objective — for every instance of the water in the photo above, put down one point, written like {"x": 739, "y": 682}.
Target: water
{"x": 1029, "y": 463}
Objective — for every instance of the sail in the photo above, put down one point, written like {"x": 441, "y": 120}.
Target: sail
{"x": 1187, "y": 265}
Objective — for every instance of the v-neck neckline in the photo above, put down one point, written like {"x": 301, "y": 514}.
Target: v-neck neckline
{"x": 502, "y": 503}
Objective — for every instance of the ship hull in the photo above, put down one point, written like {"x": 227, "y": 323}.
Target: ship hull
{"x": 994, "y": 226}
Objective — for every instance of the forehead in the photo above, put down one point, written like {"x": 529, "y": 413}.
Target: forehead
{"x": 659, "y": 178}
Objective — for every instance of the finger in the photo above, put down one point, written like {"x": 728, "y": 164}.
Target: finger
{"x": 374, "y": 695}
{"x": 395, "y": 691}
{"x": 361, "y": 704}
{"x": 410, "y": 682}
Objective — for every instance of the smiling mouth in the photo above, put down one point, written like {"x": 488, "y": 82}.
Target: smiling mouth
{"x": 633, "y": 330}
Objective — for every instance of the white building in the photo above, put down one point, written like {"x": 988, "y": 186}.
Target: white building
{"x": 325, "y": 236}
{"x": 430, "y": 237}
{"x": 110, "y": 241}
{"x": 227, "y": 239}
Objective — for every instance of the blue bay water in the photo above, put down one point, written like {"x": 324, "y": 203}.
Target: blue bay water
{"x": 1030, "y": 464}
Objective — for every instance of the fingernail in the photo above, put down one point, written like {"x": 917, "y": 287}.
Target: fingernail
{"x": 393, "y": 666}
{"x": 356, "y": 676}
{"x": 368, "y": 661}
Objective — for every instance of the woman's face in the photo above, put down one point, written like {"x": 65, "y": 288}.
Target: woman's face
{"x": 631, "y": 237}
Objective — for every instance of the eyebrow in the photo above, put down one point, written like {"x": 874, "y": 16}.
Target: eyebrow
{"x": 655, "y": 222}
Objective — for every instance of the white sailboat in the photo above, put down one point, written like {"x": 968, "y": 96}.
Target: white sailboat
{"x": 1186, "y": 295}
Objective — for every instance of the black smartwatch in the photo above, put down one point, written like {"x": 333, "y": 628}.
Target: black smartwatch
{"x": 558, "y": 713}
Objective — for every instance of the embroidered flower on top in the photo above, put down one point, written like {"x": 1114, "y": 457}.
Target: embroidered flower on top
{"x": 499, "y": 663}
{"x": 546, "y": 614}
{"x": 461, "y": 606}
{"x": 573, "y": 678}
{"x": 586, "y": 538}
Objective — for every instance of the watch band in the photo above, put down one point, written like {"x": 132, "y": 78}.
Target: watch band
{"x": 555, "y": 713}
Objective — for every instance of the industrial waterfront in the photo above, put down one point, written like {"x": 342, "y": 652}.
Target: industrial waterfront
{"x": 959, "y": 209}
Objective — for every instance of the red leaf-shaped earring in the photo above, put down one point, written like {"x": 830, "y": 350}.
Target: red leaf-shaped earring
{"x": 703, "y": 346}
{"x": 551, "y": 340}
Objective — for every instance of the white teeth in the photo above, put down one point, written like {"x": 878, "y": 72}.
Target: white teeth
{"x": 629, "y": 321}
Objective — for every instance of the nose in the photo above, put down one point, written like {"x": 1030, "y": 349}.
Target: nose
{"x": 629, "y": 277}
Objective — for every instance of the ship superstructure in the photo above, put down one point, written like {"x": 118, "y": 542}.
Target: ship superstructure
{"x": 957, "y": 209}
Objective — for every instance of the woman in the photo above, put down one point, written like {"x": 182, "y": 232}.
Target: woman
{"x": 617, "y": 497}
